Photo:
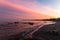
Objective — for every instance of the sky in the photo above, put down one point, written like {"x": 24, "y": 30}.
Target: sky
{"x": 29, "y": 9}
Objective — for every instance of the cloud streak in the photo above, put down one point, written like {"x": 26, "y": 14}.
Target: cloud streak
{"x": 29, "y": 13}
{"x": 25, "y": 9}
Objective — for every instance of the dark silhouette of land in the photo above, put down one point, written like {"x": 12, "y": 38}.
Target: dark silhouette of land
{"x": 52, "y": 19}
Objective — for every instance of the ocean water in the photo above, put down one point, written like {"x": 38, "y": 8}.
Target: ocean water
{"x": 13, "y": 29}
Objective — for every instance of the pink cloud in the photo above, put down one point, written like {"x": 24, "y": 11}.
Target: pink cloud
{"x": 32, "y": 13}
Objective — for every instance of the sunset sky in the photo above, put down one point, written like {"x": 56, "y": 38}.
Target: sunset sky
{"x": 29, "y": 9}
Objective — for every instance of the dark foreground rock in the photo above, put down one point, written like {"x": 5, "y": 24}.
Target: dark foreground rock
{"x": 48, "y": 32}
